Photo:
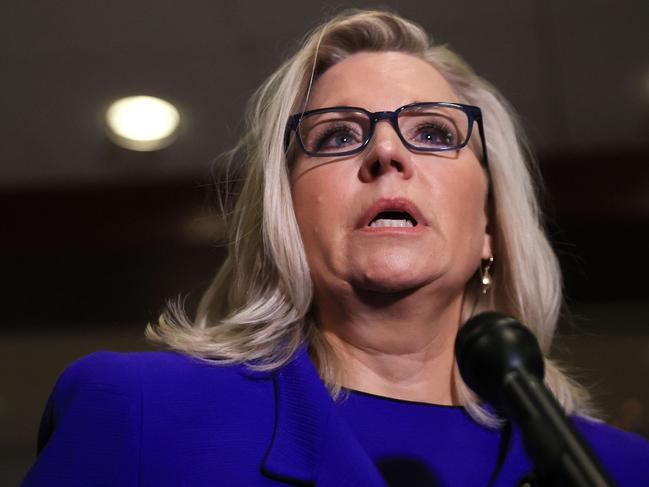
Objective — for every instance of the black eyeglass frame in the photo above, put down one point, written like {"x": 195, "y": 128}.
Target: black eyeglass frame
{"x": 473, "y": 113}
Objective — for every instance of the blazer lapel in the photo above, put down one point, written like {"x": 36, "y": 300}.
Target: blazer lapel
{"x": 311, "y": 443}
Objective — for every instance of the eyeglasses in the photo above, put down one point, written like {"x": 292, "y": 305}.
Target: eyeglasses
{"x": 422, "y": 127}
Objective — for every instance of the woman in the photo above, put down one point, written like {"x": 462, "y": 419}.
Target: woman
{"x": 370, "y": 224}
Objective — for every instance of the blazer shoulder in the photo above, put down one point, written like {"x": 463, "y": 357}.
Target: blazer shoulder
{"x": 104, "y": 373}
{"x": 124, "y": 373}
{"x": 602, "y": 434}
{"x": 107, "y": 364}
{"x": 92, "y": 426}
{"x": 624, "y": 454}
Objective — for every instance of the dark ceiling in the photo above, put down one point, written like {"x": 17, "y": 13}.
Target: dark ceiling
{"x": 96, "y": 233}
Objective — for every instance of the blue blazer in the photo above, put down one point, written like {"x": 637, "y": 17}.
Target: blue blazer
{"x": 165, "y": 419}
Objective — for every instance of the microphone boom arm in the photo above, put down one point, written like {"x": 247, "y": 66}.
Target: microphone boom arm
{"x": 501, "y": 361}
{"x": 560, "y": 456}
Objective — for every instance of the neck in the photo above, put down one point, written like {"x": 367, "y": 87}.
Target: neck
{"x": 398, "y": 345}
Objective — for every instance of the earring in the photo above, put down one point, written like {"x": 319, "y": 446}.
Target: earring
{"x": 485, "y": 274}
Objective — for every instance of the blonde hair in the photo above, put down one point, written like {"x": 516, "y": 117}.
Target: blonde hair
{"x": 257, "y": 309}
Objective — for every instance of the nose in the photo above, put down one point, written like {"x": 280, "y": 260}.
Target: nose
{"x": 386, "y": 154}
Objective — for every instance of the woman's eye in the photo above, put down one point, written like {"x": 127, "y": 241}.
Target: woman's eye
{"x": 336, "y": 138}
{"x": 433, "y": 135}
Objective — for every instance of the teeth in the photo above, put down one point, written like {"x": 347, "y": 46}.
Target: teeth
{"x": 384, "y": 222}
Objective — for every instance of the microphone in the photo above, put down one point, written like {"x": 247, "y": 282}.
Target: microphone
{"x": 500, "y": 360}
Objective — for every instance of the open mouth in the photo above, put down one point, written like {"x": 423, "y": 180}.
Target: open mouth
{"x": 396, "y": 219}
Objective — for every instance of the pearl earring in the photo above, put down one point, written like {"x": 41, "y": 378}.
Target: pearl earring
{"x": 485, "y": 274}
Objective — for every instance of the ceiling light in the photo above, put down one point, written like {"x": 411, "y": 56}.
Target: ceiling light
{"x": 142, "y": 123}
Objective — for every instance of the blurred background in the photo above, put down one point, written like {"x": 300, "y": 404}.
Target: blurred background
{"x": 95, "y": 238}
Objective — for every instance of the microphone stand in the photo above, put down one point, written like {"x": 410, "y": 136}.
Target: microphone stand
{"x": 501, "y": 361}
{"x": 560, "y": 455}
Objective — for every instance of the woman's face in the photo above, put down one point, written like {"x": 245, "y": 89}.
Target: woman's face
{"x": 336, "y": 198}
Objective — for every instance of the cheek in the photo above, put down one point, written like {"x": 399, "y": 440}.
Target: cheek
{"x": 313, "y": 223}
{"x": 310, "y": 198}
{"x": 470, "y": 206}
{"x": 319, "y": 201}
{"x": 461, "y": 201}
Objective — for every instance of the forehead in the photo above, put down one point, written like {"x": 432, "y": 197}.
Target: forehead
{"x": 380, "y": 81}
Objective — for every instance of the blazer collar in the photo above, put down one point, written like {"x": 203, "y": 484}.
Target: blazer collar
{"x": 311, "y": 443}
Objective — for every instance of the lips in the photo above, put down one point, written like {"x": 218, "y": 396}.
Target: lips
{"x": 392, "y": 213}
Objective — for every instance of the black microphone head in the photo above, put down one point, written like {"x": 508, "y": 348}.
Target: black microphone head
{"x": 489, "y": 346}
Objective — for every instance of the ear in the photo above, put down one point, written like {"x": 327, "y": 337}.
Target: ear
{"x": 487, "y": 249}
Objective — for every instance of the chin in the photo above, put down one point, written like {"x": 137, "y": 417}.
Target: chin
{"x": 387, "y": 282}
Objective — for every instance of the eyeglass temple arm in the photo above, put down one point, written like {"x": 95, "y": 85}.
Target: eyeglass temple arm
{"x": 290, "y": 126}
{"x": 483, "y": 139}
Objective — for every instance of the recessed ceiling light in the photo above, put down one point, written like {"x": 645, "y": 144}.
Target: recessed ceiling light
{"x": 142, "y": 123}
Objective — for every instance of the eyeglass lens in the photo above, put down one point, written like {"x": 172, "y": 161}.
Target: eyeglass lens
{"x": 426, "y": 128}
